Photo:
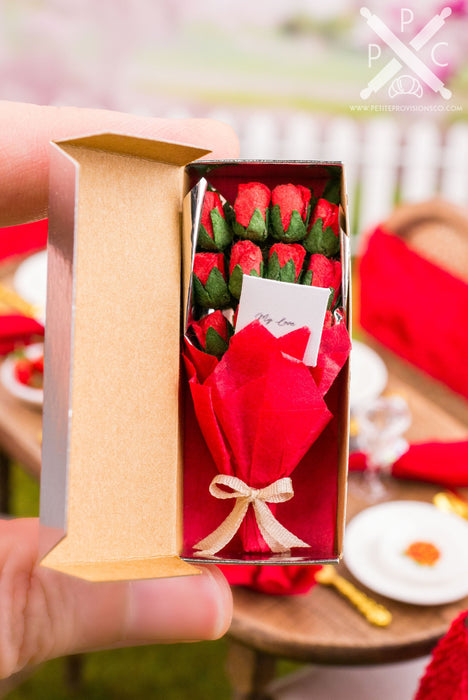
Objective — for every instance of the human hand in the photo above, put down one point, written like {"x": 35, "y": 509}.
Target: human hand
{"x": 45, "y": 614}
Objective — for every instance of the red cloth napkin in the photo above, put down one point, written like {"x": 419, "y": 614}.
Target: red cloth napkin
{"x": 443, "y": 463}
{"x": 274, "y": 580}
{"x": 16, "y": 329}
{"x": 415, "y": 308}
{"x": 446, "y": 676}
{"x": 26, "y": 238}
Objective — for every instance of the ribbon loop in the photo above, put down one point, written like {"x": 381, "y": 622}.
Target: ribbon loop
{"x": 277, "y": 537}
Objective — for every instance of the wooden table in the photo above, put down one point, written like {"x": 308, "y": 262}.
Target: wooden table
{"x": 320, "y": 627}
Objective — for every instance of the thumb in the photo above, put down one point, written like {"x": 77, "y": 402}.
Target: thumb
{"x": 27, "y": 129}
{"x": 45, "y": 614}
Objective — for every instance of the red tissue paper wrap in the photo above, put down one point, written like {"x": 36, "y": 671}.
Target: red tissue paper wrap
{"x": 260, "y": 409}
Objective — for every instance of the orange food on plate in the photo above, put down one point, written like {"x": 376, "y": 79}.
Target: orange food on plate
{"x": 424, "y": 553}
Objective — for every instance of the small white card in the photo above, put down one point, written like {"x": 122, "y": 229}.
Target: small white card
{"x": 283, "y": 307}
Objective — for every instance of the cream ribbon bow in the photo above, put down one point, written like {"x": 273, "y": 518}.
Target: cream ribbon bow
{"x": 277, "y": 537}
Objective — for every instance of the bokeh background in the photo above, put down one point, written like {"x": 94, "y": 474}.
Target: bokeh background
{"x": 288, "y": 77}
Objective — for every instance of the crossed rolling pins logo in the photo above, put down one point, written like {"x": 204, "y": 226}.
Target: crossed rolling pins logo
{"x": 406, "y": 56}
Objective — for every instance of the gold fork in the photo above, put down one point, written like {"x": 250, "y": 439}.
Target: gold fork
{"x": 375, "y": 613}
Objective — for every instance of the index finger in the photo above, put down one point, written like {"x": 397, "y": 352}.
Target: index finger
{"x": 26, "y": 130}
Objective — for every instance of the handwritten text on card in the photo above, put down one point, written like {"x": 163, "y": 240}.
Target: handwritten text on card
{"x": 282, "y": 307}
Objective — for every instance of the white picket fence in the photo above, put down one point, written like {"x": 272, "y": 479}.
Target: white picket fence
{"x": 385, "y": 163}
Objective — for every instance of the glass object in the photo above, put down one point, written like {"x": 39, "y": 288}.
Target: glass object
{"x": 381, "y": 425}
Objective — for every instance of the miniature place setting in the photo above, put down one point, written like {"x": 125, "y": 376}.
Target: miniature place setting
{"x": 409, "y": 551}
{"x": 22, "y": 371}
{"x": 22, "y": 374}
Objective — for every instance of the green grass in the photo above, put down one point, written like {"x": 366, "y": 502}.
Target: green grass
{"x": 24, "y": 500}
{"x": 194, "y": 671}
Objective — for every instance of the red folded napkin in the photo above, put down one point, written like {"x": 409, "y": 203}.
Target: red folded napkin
{"x": 23, "y": 239}
{"x": 415, "y": 308}
{"x": 442, "y": 463}
{"x": 274, "y": 580}
{"x": 16, "y": 329}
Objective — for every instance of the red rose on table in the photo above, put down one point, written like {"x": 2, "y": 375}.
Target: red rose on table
{"x": 214, "y": 232}
{"x": 250, "y": 213}
{"x": 213, "y": 333}
{"x": 323, "y": 272}
{"x": 290, "y": 210}
{"x": 324, "y": 228}
{"x": 246, "y": 259}
{"x": 209, "y": 286}
{"x": 285, "y": 262}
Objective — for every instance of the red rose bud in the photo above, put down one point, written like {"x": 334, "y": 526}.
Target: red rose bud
{"x": 290, "y": 212}
{"x": 323, "y": 236}
{"x": 285, "y": 262}
{"x": 323, "y": 272}
{"x": 251, "y": 211}
{"x": 213, "y": 333}
{"x": 209, "y": 287}
{"x": 214, "y": 232}
{"x": 246, "y": 259}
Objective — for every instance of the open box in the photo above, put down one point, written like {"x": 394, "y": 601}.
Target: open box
{"x": 122, "y": 212}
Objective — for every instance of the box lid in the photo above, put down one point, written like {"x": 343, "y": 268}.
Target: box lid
{"x": 111, "y": 448}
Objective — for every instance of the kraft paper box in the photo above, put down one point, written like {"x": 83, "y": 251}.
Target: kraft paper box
{"x": 119, "y": 499}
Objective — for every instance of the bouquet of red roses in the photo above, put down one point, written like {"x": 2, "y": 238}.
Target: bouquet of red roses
{"x": 260, "y": 408}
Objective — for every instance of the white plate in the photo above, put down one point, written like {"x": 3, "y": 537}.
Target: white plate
{"x": 30, "y": 281}
{"x": 369, "y": 374}
{"x": 375, "y": 542}
{"x": 28, "y": 394}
